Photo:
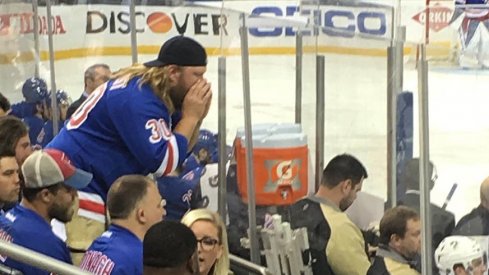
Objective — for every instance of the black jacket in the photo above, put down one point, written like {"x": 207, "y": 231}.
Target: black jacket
{"x": 474, "y": 223}
{"x": 72, "y": 108}
{"x": 307, "y": 213}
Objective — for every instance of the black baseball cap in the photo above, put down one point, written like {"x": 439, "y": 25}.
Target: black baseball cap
{"x": 182, "y": 51}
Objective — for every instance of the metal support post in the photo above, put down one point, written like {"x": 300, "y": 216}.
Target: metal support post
{"x": 395, "y": 70}
{"x": 35, "y": 19}
{"x": 424, "y": 177}
{"x": 298, "y": 77}
{"x": 54, "y": 105}
{"x": 319, "y": 120}
{"x": 222, "y": 136}
{"x": 392, "y": 91}
{"x": 134, "y": 39}
{"x": 254, "y": 248}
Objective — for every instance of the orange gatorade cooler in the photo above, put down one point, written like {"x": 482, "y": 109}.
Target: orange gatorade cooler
{"x": 280, "y": 163}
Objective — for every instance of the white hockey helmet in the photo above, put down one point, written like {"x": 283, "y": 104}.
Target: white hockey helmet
{"x": 455, "y": 250}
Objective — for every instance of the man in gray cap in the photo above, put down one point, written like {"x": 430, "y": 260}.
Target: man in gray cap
{"x": 49, "y": 193}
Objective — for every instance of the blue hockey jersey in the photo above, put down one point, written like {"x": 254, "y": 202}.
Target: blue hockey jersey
{"x": 23, "y": 109}
{"x": 116, "y": 251}
{"x": 179, "y": 192}
{"x": 46, "y": 134}
{"x": 35, "y": 125}
{"x": 122, "y": 128}
{"x": 5, "y": 228}
{"x": 31, "y": 231}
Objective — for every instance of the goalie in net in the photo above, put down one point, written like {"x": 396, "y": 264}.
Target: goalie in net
{"x": 471, "y": 17}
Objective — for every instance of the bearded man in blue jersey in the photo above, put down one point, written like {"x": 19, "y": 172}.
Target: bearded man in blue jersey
{"x": 144, "y": 120}
{"x": 48, "y": 193}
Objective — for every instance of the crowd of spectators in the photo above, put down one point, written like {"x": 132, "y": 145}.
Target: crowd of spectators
{"x": 92, "y": 178}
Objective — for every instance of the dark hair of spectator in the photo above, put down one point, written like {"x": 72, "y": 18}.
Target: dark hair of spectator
{"x": 395, "y": 221}
{"x": 12, "y": 130}
{"x": 4, "y": 103}
{"x": 30, "y": 193}
{"x": 343, "y": 167}
{"x": 168, "y": 244}
{"x": 125, "y": 194}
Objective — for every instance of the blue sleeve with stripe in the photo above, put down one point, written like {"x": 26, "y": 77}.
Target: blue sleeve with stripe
{"x": 144, "y": 125}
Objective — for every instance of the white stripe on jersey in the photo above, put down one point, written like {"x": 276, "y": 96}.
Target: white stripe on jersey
{"x": 171, "y": 156}
{"x": 175, "y": 151}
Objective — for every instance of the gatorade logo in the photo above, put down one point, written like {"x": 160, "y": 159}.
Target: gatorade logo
{"x": 285, "y": 172}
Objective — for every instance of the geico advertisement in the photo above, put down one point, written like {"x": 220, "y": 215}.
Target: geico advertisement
{"x": 334, "y": 21}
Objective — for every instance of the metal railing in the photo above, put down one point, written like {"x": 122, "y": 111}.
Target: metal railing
{"x": 39, "y": 260}
{"x": 5, "y": 270}
{"x": 248, "y": 266}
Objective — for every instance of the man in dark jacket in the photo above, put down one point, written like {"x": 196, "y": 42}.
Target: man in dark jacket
{"x": 95, "y": 76}
{"x": 442, "y": 221}
{"x": 477, "y": 221}
{"x": 337, "y": 245}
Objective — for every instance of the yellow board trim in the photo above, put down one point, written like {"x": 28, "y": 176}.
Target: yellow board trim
{"x": 438, "y": 49}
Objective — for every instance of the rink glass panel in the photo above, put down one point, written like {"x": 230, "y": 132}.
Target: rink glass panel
{"x": 355, "y": 75}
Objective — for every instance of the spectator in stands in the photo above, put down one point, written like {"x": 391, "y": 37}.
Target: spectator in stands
{"x": 337, "y": 245}
{"x": 49, "y": 192}
{"x": 4, "y": 106}
{"x": 210, "y": 231}
{"x": 477, "y": 221}
{"x": 95, "y": 76}
{"x": 14, "y": 135}
{"x": 460, "y": 255}
{"x": 9, "y": 178}
{"x": 399, "y": 244}
{"x": 170, "y": 248}
{"x": 134, "y": 205}
{"x": 36, "y": 95}
{"x": 442, "y": 221}
{"x": 35, "y": 91}
{"x": 9, "y": 190}
{"x": 47, "y": 132}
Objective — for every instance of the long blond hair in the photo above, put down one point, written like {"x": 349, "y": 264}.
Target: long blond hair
{"x": 221, "y": 265}
{"x": 156, "y": 77}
